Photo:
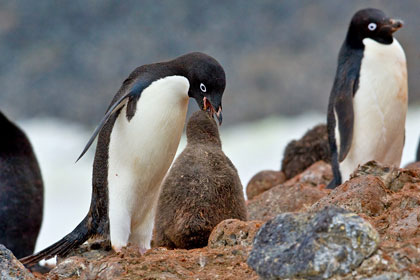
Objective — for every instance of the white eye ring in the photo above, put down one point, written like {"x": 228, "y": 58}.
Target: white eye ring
{"x": 372, "y": 26}
{"x": 203, "y": 87}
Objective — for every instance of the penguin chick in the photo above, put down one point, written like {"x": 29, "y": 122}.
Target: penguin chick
{"x": 201, "y": 189}
{"x": 302, "y": 153}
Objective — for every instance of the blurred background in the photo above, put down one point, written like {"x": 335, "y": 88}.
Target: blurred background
{"x": 61, "y": 62}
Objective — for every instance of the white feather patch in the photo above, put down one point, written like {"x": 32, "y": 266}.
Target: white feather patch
{"x": 140, "y": 153}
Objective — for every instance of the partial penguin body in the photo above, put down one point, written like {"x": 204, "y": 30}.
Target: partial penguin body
{"x": 380, "y": 107}
{"x": 368, "y": 102}
{"x": 137, "y": 140}
{"x": 21, "y": 191}
{"x": 140, "y": 152}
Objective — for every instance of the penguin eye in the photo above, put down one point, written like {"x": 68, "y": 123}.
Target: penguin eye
{"x": 203, "y": 87}
{"x": 372, "y": 26}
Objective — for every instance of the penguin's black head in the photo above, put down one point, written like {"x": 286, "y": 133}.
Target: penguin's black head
{"x": 207, "y": 81}
{"x": 373, "y": 24}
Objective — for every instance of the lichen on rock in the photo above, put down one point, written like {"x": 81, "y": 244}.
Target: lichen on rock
{"x": 312, "y": 246}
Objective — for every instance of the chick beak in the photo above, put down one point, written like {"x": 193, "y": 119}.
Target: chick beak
{"x": 219, "y": 115}
{"x": 207, "y": 106}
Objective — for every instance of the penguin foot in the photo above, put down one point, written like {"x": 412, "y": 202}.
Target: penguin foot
{"x": 117, "y": 248}
{"x": 142, "y": 250}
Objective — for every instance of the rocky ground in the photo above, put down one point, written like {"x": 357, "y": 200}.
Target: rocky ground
{"x": 316, "y": 236}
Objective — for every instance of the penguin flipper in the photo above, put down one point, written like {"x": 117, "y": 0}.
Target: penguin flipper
{"x": 134, "y": 93}
{"x": 75, "y": 238}
{"x": 341, "y": 113}
{"x": 345, "y": 119}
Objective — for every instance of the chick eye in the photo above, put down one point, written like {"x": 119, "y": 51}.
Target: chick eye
{"x": 203, "y": 87}
{"x": 372, "y": 26}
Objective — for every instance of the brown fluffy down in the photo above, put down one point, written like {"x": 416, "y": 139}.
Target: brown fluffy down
{"x": 201, "y": 189}
{"x": 302, "y": 153}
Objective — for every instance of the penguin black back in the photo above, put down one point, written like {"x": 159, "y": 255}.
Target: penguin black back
{"x": 418, "y": 152}
{"x": 21, "y": 191}
{"x": 201, "y": 189}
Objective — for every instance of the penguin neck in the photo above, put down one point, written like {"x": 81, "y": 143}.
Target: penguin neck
{"x": 354, "y": 40}
{"x": 203, "y": 135}
{"x": 205, "y": 139}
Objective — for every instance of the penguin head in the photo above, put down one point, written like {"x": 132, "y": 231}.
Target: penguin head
{"x": 373, "y": 24}
{"x": 207, "y": 81}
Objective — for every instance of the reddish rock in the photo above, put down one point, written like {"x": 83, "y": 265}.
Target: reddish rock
{"x": 234, "y": 232}
{"x": 388, "y": 197}
{"x": 297, "y": 194}
{"x": 413, "y": 165}
{"x": 363, "y": 195}
{"x": 11, "y": 268}
{"x": 264, "y": 181}
{"x": 317, "y": 174}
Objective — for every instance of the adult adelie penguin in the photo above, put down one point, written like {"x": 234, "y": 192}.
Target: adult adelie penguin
{"x": 368, "y": 102}
{"x": 21, "y": 191}
{"x": 201, "y": 189}
{"x": 138, "y": 138}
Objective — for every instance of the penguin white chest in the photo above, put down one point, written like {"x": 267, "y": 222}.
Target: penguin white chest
{"x": 380, "y": 106}
{"x": 140, "y": 153}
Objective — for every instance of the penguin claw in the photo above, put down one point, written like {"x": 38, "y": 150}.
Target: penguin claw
{"x": 142, "y": 250}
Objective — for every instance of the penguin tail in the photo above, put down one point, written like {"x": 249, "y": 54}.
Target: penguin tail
{"x": 75, "y": 238}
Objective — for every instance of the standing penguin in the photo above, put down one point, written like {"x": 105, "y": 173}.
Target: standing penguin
{"x": 21, "y": 191}
{"x": 368, "y": 102}
{"x": 138, "y": 138}
{"x": 201, "y": 189}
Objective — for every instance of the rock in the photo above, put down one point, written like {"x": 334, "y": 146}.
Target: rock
{"x": 312, "y": 246}
{"x": 413, "y": 165}
{"x": 10, "y": 267}
{"x": 302, "y": 153}
{"x": 366, "y": 195}
{"x": 317, "y": 174}
{"x": 234, "y": 232}
{"x": 264, "y": 181}
{"x": 70, "y": 267}
{"x": 297, "y": 194}
{"x": 388, "y": 197}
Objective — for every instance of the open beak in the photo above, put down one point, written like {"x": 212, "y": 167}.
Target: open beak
{"x": 207, "y": 106}
{"x": 395, "y": 24}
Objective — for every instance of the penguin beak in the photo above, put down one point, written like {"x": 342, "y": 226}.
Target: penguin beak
{"x": 395, "y": 24}
{"x": 208, "y": 106}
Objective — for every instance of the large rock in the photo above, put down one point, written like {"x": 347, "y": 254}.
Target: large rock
{"x": 297, "y": 194}
{"x": 413, "y": 165}
{"x": 302, "y": 153}
{"x": 312, "y": 246}
{"x": 388, "y": 197}
{"x": 263, "y": 181}
{"x": 10, "y": 267}
{"x": 233, "y": 232}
